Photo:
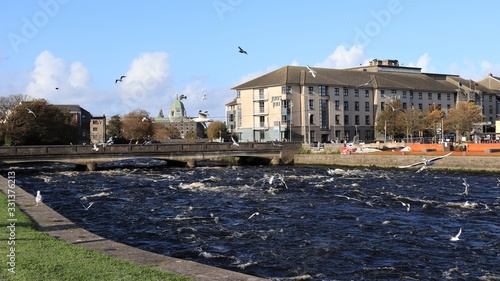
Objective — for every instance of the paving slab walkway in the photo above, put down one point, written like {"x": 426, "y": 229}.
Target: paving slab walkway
{"x": 56, "y": 225}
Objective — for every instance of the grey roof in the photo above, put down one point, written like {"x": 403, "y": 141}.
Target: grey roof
{"x": 299, "y": 75}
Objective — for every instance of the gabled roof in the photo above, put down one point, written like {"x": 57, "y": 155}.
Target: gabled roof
{"x": 299, "y": 75}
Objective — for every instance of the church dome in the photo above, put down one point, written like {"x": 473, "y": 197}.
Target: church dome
{"x": 177, "y": 110}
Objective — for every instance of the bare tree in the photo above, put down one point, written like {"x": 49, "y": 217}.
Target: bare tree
{"x": 7, "y": 104}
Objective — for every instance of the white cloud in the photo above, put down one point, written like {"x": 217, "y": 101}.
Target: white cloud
{"x": 344, "y": 58}
{"x": 143, "y": 82}
{"x": 51, "y": 72}
{"x": 424, "y": 63}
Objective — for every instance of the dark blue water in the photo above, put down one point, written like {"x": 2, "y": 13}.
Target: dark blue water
{"x": 349, "y": 226}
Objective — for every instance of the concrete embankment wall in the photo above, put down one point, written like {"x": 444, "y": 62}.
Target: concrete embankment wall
{"x": 453, "y": 162}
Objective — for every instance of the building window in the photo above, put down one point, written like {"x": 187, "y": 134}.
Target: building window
{"x": 261, "y": 94}
{"x": 429, "y": 96}
{"x": 439, "y": 96}
{"x": 382, "y": 93}
{"x": 346, "y": 92}
{"x": 94, "y": 129}
{"x": 337, "y": 91}
{"x": 337, "y": 119}
{"x": 420, "y": 106}
{"x": 393, "y": 94}
{"x": 367, "y": 106}
{"x": 262, "y": 121}
{"x": 404, "y": 105}
{"x": 323, "y": 114}
{"x": 231, "y": 117}
{"x": 419, "y": 95}
{"x": 404, "y": 94}
{"x": 323, "y": 91}
{"x": 286, "y": 90}
{"x": 311, "y": 104}
{"x": 356, "y": 120}
{"x": 356, "y": 105}
{"x": 411, "y": 95}
{"x": 311, "y": 119}
{"x": 284, "y": 119}
{"x": 311, "y": 90}
{"x": 262, "y": 135}
{"x": 346, "y": 105}
{"x": 261, "y": 107}
{"x": 367, "y": 119}
{"x": 346, "y": 119}
{"x": 448, "y": 96}
{"x": 367, "y": 93}
{"x": 356, "y": 93}
{"x": 490, "y": 98}
{"x": 382, "y": 106}
{"x": 337, "y": 105}
{"x": 238, "y": 94}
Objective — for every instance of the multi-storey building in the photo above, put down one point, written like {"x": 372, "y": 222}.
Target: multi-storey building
{"x": 291, "y": 103}
{"x": 98, "y": 129}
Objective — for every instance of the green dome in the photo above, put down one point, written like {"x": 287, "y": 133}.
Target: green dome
{"x": 177, "y": 110}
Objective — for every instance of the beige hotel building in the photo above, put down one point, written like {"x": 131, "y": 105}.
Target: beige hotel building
{"x": 290, "y": 104}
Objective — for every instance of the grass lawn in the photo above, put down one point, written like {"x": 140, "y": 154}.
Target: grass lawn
{"x": 39, "y": 256}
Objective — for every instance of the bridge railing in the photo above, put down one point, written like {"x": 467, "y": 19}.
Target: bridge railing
{"x": 125, "y": 148}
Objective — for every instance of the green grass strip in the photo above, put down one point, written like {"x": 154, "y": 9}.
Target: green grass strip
{"x": 38, "y": 256}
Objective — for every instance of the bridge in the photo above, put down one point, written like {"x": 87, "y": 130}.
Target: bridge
{"x": 175, "y": 154}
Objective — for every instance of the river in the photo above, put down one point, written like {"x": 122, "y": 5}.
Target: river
{"x": 283, "y": 222}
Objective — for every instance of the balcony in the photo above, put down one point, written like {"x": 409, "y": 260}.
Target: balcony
{"x": 260, "y": 126}
{"x": 260, "y": 111}
{"x": 259, "y": 97}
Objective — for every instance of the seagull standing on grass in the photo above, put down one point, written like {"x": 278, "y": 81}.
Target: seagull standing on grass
{"x": 38, "y": 198}
{"x": 456, "y": 237}
{"x": 312, "y": 71}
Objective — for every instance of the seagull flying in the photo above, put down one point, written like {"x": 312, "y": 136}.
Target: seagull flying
{"x": 120, "y": 79}
{"x": 57, "y": 88}
{"x": 144, "y": 119}
{"x": 366, "y": 84}
{"x": 202, "y": 118}
{"x": 234, "y": 141}
{"x": 204, "y": 97}
{"x": 466, "y": 191}
{"x": 38, "y": 198}
{"x": 394, "y": 109}
{"x": 242, "y": 51}
{"x": 254, "y": 214}
{"x": 456, "y": 237}
{"x": 407, "y": 205}
{"x": 312, "y": 71}
{"x": 87, "y": 207}
{"x": 31, "y": 112}
{"x": 181, "y": 97}
{"x": 95, "y": 148}
{"x": 426, "y": 162}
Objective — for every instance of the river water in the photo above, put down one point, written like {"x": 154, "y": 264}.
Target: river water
{"x": 356, "y": 224}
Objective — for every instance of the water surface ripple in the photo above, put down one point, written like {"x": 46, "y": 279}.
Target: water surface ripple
{"x": 358, "y": 224}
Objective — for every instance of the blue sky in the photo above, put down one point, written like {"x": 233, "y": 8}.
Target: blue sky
{"x": 191, "y": 47}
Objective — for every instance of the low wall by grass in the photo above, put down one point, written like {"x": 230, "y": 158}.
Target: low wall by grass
{"x": 455, "y": 162}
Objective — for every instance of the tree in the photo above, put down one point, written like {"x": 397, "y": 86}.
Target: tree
{"x": 137, "y": 125}
{"x": 7, "y": 104}
{"x": 390, "y": 119}
{"x": 37, "y": 122}
{"x": 412, "y": 120}
{"x": 217, "y": 130}
{"x": 115, "y": 127}
{"x": 190, "y": 136}
{"x": 462, "y": 118}
{"x": 432, "y": 120}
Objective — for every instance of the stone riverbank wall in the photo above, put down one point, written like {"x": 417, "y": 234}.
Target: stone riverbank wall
{"x": 454, "y": 162}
